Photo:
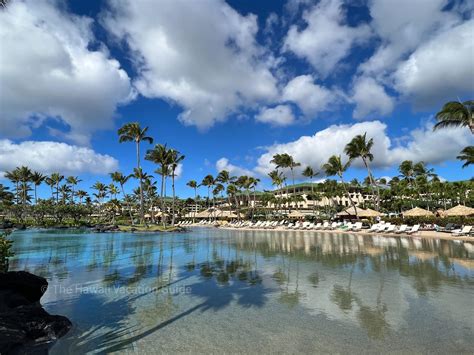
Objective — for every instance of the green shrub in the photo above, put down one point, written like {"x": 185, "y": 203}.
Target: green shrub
{"x": 5, "y": 251}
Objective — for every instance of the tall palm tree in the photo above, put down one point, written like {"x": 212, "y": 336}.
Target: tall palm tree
{"x": 81, "y": 194}
{"x": 209, "y": 182}
{"x": 334, "y": 166}
{"x": 456, "y": 114}
{"x": 286, "y": 161}
{"x": 278, "y": 179}
{"x": 132, "y": 132}
{"x": 467, "y": 154}
{"x": 193, "y": 184}
{"x": 56, "y": 179}
{"x": 121, "y": 179}
{"x": 14, "y": 178}
{"x": 73, "y": 181}
{"x": 310, "y": 173}
{"x": 160, "y": 155}
{"x": 24, "y": 174}
{"x": 225, "y": 178}
{"x": 37, "y": 179}
{"x": 360, "y": 147}
{"x": 101, "y": 193}
{"x": 175, "y": 158}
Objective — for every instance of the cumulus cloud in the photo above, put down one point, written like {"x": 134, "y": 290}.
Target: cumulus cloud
{"x": 234, "y": 170}
{"x": 48, "y": 69}
{"x": 326, "y": 39}
{"x": 310, "y": 97}
{"x": 441, "y": 69}
{"x": 421, "y": 144}
{"x": 48, "y": 157}
{"x": 280, "y": 115}
{"x": 370, "y": 98}
{"x": 202, "y": 55}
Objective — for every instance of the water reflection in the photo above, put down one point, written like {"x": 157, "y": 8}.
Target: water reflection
{"x": 126, "y": 291}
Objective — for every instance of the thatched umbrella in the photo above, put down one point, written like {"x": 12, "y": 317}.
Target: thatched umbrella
{"x": 351, "y": 212}
{"x": 369, "y": 213}
{"x": 417, "y": 212}
{"x": 459, "y": 210}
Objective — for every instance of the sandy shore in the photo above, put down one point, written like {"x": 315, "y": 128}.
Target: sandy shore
{"x": 420, "y": 234}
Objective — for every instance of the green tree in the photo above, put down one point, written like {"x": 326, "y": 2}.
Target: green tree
{"x": 37, "y": 179}
{"x": 121, "y": 179}
{"x": 360, "y": 147}
{"x": 310, "y": 173}
{"x": 467, "y": 154}
{"x": 456, "y": 114}
{"x": 73, "y": 181}
{"x": 333, "y": 167}
{"x": 175, "y": 158}
{"x": 132, "y": 132}
{"x": 194, "y": 185}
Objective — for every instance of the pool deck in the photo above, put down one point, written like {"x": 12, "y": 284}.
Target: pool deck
{"x": 420, "y": 234}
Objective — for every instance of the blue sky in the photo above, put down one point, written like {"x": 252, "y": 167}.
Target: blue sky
{"x": 231, "y": 83}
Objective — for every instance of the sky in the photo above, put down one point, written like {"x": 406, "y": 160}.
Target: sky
{"x": 231, "y": 83}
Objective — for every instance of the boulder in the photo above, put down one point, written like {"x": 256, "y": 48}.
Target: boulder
{"x": 25, "y": 327}
{"x": 30, "y": 286}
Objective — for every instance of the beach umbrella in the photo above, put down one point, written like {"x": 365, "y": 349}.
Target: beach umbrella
{"x": 351, "y": 212}
{"x": 368, "y": 213}
{"x": 417, "y": 212}
{"x": 459, "y": 210}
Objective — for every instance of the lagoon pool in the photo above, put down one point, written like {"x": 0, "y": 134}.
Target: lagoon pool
{"x": 214, "y": 291}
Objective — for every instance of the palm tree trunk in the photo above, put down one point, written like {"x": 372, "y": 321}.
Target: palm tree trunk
{"x": 141, "y": 184}
{"x": 372, "y": 181}
{"x": 36, "y": 200}
{"x": 174, "y": 197}
{"x": 195, "y": 204}
{"x": 162, "y": 200}
{"x": 349, "y": 196}
{"x": 128, "y": 205}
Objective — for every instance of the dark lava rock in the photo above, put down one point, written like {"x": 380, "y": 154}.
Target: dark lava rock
{"x": 25, "y": 327}
{"x": 30, "y": 286}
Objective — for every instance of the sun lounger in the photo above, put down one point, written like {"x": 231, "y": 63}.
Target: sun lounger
{"x": 374, "y": 227}
{"x": 390, "y": 229}
{"x": 357, "y": 227}
{"x": 402, "y": 229}
{"x": 465, "y": 231}
{"x": 414, "y": 229}
{"x": 317, "y": 226}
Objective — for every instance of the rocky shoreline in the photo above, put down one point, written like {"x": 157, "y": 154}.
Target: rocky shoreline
{"x": 25, "y": 327}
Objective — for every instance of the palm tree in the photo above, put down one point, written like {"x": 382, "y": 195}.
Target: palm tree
{"x": 208, "y": 181}
{"x": 121, "y": 179}
{"x": 160, "y": 155}
{"x": 467, "y": 154}
{"x": 193, "y": 184}
{"x": 37, "y": 179}
{"x": 56, "y": 179}
{"x": 175, "y": 158}
{"x": 286, "y": 161}
{"x": 73, "y": 181}
{"x": 456, "y": 114}
{"x": 407, "y": 171}
{"x": 101, "y": 193}
{"x": 309, "y": 173}
{"x": 225, "y": 178}
{"x": 334, "y": 166}
{"x": 24, "y": 174}
{"x": 277, "y": 180}
{"x": 14, "y": 177}
{"x": 132, "y": 132}
{"x": 360, "y": 147}
{"x": 81, "y": 194}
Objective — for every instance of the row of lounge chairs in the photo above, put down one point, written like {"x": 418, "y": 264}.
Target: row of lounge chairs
{"x": 380, "y": 227}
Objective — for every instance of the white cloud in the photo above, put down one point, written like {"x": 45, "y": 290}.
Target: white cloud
{"x": 310, "y": 97}
{"x": 200, "y": 54}
{"x": 402, "y": 25}
{"x": 280, "y": 115}
{"x": 441, "y": 69}
{"x": 420, "y": 145}
{"x": 370, "y": 98}
{"x": 47, "y": 69}
{"x": 224, "y": 164}
{"x": 326, "y": 39}
{"x": 48, "y": 157}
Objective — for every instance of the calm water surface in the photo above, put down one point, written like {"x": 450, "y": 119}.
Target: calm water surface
{"x": 220, "y": 291}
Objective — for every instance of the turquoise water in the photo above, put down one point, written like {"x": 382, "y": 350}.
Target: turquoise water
{"x": 214, "y": 291}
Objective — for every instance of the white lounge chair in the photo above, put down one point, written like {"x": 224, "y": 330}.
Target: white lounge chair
{"x": 390, "y": 229}
{"x": 374, "y": 227}
{"x": 414, "y": 229}
{"x": 357, "y": 227}
{"x": 402, "y": 229}
{"x": 465, "y": 231}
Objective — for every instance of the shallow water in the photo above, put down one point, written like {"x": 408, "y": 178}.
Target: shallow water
{"x": 220, "y": 291}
